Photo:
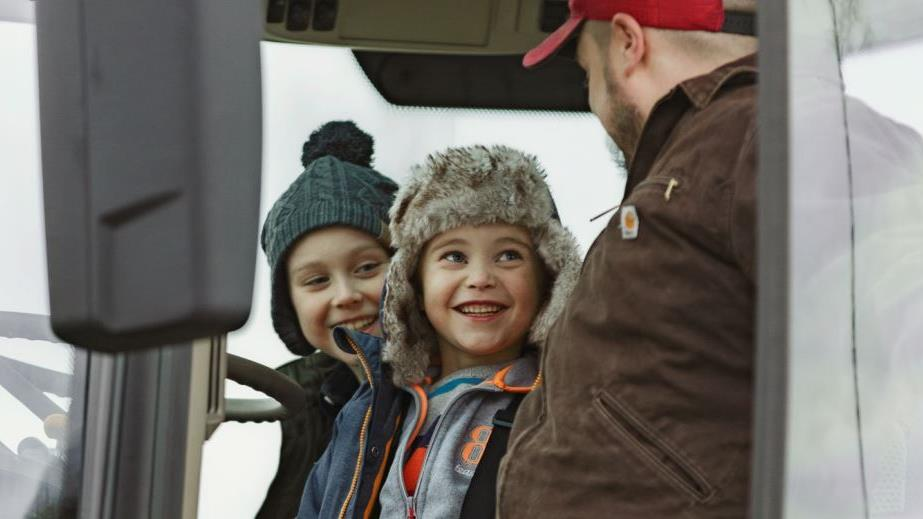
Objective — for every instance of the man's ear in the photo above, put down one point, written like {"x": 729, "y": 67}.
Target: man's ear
{"x": 627, "y": 44}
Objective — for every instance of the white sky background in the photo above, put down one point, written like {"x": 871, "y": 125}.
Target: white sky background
{"x": 23, "y": 282}
{"x": 303, "y": 87}
{"x": 885, "y": 80}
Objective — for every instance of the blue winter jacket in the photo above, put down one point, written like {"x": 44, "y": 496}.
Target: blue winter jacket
{"x": 351, "y": 471}
{"x": 347, "y": 480}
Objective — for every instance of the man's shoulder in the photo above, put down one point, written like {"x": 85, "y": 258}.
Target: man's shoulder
{"x": 731, "y": 116}
{"x": 723, "y": 102}
{"x": 706, "y": 89}
{"x": 727, "y": 121}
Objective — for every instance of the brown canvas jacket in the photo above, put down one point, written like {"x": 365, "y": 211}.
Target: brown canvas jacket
{"x": 645, "y": 410}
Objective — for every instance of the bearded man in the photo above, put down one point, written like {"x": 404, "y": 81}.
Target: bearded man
{"x": 645, "y": 408}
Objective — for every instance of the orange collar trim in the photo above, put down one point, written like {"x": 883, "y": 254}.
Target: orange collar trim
{"x": 500, "y": 382}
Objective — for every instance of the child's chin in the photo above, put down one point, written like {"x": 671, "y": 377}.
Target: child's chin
{"x": 484, "y": 349}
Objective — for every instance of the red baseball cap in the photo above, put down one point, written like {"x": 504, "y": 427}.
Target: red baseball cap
{"x": 689, "y": 15}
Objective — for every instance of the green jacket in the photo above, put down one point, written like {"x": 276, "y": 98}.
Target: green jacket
{"x": 328, "y": 385}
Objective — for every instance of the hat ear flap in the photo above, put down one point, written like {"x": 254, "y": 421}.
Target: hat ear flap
{"x": 284, "y": 318}
{"x": 400, "y": 209}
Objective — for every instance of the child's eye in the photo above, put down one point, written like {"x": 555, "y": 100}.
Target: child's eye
{"x": 509, "y": 255}
{"x": 453, "y": 257}
{"x": 368, "y": 268}
{"x": 315, "y": 281}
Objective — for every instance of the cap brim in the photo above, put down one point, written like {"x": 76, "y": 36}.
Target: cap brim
{"x": 552, "y": 43}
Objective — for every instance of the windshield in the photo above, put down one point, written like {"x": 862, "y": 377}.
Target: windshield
{"x": 856, "y": 154}
{"x": 42, "y": 385}
{"x": 296, "y": 99}
{"x": 42, "y": 381}
{"x": 240, "y": 459}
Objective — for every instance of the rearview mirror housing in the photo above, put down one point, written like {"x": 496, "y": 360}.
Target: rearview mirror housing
{"x": 151, "y": 152}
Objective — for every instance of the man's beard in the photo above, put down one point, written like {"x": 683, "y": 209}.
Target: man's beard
{"x": 617, "y": 156}
{"x": 625, "y": 120}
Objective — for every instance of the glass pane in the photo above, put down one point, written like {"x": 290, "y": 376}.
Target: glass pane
{"x": 856, "y": 396}
{"x": 42, "y": 382}
{"x": 884, "y": 118}
{"x": 39, "y": 397}
{"x": 305, "y": 86}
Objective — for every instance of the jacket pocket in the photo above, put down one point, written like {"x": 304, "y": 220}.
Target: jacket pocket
{"x": 655, "y": 451}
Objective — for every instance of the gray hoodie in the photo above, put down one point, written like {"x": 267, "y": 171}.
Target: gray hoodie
{"x": 457, "y": 441}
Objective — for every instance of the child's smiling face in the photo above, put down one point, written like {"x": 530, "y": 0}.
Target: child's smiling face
{"x": 335, "y": 277}
{"x": 481, "y": 291}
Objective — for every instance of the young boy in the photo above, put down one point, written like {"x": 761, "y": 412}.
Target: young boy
{"x": 325, "y": 239}
{"x": 483, "y": 268}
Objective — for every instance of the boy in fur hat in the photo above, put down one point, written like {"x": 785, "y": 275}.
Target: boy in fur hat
{"x": 482, "y": 269}
{"x": 326, "y": 242}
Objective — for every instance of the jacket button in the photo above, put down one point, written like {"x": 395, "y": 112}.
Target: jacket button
{"x": 373, "y": 452}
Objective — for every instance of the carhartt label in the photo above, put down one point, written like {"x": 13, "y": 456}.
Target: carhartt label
{"x": 629, "y": 222}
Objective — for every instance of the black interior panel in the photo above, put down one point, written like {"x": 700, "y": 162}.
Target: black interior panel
{"x": 460, "y": 81}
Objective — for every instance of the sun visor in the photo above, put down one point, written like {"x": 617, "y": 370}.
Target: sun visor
{"x": 492, "y": 82}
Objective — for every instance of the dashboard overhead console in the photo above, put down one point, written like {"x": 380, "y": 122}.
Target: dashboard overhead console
{"x": 454, "y": 54}
{"x": 489, "y": 27}
{"x": 422, "y": 26}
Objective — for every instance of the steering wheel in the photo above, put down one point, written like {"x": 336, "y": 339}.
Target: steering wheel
{"x": 287, "y": 397}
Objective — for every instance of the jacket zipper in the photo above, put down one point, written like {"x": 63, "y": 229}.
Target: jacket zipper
{"x": 362, "y": 432}
{"x": 411, "y": 501}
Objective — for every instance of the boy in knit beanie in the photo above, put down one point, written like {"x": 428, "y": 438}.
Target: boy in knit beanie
{"x": 328, "y": 251}
{"x": 482, "y": 269}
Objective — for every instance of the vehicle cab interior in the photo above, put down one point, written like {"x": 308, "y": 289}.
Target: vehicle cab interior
{"x": 143, "y": 143}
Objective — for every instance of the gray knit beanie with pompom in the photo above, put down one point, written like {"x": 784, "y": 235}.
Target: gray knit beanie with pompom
{"x": 475, "y": 185}
{"x": 337, "y": 187}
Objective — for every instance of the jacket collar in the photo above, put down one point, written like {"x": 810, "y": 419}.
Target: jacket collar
{"x": 697, "y": 92}
{"x": 701, "y": 90}
{"x": 519, "y": 377}
{"x": 370, "y": 346}
{"x": 522, "y": 373}
{"x": 339, "y": 385}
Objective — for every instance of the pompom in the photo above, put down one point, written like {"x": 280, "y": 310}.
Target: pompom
{"x": 341, "y": 139}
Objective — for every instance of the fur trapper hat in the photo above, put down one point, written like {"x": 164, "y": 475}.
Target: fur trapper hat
{"x": 474, "y": 185}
